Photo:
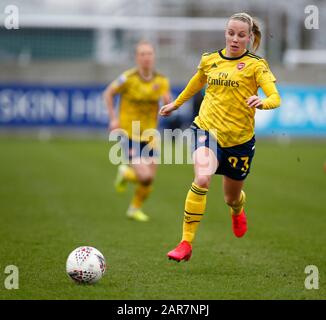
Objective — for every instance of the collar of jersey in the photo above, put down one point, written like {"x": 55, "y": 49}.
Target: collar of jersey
{"x": 222, "y": 52}
{"x": 144, "y": 80}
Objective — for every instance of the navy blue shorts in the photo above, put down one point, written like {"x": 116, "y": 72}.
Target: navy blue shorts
{"x": 234, "y": 162}
{"x": 137, "y": 149}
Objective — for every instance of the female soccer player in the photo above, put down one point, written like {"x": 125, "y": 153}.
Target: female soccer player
{"x": 141, "y": 90}
{"x": 224, "y": 129}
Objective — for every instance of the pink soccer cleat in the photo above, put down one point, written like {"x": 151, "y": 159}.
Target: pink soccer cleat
{"x": 239, "y": 224}
{"x": 181, "y": 252}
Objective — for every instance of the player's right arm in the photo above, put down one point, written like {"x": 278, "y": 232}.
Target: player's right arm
{"x": 108, "y": 96}
{"x": 115, "y": 87}
{"x": 196, "y": 83}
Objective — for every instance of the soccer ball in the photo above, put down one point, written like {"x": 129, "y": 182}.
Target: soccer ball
{"x": 85, "y": 265}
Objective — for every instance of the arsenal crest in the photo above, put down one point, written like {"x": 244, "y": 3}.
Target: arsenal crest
{"x": 156, "y": 86}
{"x": 241, "y": 65}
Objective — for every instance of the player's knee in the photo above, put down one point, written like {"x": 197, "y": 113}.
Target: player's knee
{"x": 146, "y": 179}
{"x": 202, "y": 181}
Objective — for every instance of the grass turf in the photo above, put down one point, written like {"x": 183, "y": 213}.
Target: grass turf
{"x": 58, "y": 195}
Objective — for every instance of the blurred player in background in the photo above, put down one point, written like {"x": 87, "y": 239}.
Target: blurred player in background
{"x": 224, "y": 138}
{"x": 140, "y": 90}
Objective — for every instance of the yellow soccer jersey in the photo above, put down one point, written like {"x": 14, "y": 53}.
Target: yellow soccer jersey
{"x": 139, "y": 100}
{"x": 230, "y": 81}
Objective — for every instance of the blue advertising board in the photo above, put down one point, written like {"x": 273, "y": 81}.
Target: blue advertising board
{"x": 303, "y": 109}
{"x": 43, "y": 105}
{"x": 302, "y": 112}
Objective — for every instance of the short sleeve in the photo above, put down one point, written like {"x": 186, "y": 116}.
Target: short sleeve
{"x": 263, "y": 74}
{"x": 120, "y": 83}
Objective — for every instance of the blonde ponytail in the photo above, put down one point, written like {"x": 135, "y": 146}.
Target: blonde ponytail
{"x": 257, "y": 35}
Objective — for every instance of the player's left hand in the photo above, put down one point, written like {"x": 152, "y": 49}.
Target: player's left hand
{"x": 254, "y": 102}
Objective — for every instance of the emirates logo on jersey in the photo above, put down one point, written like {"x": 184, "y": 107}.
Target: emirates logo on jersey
{"x": 241, "y": 65}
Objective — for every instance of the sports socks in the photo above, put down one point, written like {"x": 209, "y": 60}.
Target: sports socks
{"x": 194, "y": 210}
{"x": 141, "y": 193}
{"x": 237, "y": 207}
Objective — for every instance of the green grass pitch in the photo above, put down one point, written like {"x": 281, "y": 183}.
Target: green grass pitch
{"x": 58, "y": 195}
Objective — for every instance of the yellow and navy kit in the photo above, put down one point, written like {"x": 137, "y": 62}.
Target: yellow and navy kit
{"x": 234, "y": 162}
{"x": 139, "y": 100}
{"x": 230, "y": 82}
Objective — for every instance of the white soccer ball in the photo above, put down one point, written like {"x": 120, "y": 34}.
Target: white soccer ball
{"x": 85, "y": 265}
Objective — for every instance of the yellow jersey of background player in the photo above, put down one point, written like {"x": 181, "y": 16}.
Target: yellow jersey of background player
{"x": 141, "y": 90}
{"x": 139, "y": 99}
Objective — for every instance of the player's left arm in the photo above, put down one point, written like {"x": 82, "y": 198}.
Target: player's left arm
{"x": 166, "y": 97}
{"x": 266, "y": 80}
{"x": 166, "y": 93}
{"x": 272, "y": 100}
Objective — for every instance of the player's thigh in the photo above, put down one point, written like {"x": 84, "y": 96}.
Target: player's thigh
{"x": 153, "y": 168}
{"x": 205, "y": 165}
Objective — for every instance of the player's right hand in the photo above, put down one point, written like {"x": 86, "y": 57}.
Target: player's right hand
{"x": 167, "y": 109}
